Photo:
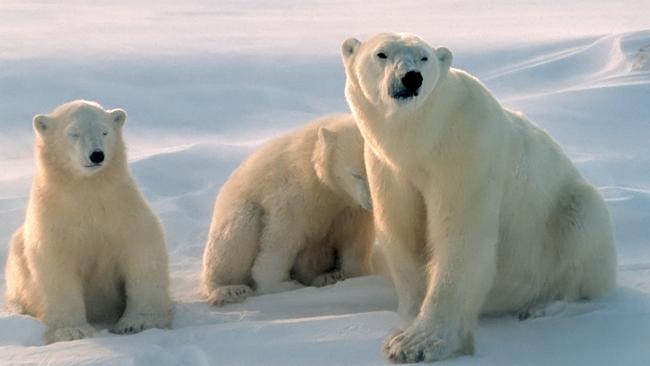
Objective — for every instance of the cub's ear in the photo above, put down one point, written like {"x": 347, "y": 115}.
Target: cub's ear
{"x": 118, "y": 115}
{"x": 444, "y": 56}
{"x": 349, "y": 47}
{"x": 323, "y": 152}
{"x": 42, "y": 123}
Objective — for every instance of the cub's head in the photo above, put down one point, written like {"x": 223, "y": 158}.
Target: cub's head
{"x": 80, "y": 137}
{"x": 338, "y": 160}
{"x": 392, "y": 71}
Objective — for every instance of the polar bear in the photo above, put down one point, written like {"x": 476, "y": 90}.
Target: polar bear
{"x": 90, "y": 250}
{"x": 298, "y": 208}
{"x": 477, "y": 209}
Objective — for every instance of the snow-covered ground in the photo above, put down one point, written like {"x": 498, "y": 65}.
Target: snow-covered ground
{"x": 206, "y": 82}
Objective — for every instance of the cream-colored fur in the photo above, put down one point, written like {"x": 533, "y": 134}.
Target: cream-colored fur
{"x": 477, "y": 209}
{"x": 300, "y": 204}
{"x": 90, "y": 250}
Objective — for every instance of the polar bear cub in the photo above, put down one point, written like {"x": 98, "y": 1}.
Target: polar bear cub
{"x": 298, "y": 208}
{"x": 476, "y": 208}
{"x": 90, "y": 250}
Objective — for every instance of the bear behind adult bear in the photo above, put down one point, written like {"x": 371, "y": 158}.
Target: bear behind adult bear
{"x": 298, "y": 208}
{"x": 90, "y": 250}
{"x": 477, "y": 209}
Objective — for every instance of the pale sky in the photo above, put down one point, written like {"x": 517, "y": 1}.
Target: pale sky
{"x": 148, "y": 28}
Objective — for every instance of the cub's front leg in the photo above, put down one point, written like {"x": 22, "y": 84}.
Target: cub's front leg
{"x": 146, "y": 276}
{"x": 281, "y": 240}
{"x": 353, "y": 242}
{"x": 463, "y": 239}
{"x": 63, "y": 309}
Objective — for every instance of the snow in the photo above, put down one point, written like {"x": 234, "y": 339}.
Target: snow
{"x": 205, "y": 84}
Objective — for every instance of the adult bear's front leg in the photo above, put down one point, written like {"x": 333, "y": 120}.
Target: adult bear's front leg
{"x": 398, "y": 211}
{"x": 463, "y": 240}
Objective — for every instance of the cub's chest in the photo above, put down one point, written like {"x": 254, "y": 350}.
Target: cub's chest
{"x": 92, "y": 218}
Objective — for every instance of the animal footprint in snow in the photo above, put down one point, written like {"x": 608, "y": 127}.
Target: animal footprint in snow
{"x": 641, "y": 60}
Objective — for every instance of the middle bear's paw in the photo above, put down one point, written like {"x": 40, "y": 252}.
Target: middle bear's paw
{"x": 416, "y": 344}
{"x": 69, "y": 333}
{"x": 327, "y": 279}
{"x": 137, "y": 322}
{"x": 228, "y": 294}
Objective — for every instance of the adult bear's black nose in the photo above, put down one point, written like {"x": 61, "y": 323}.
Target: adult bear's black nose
{"x": 412, "y": 80}
{"x": 97, "y": 157}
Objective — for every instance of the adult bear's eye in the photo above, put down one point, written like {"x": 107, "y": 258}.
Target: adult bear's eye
{"x": 381, "y": 55}
{"x": 105, "y": 133}
{"x": 425, "y": 58}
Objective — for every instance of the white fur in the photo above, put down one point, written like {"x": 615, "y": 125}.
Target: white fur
{"x": 90, "y": 250}
{"x": 477, "y": 209}
{"x": 295, "y": 205}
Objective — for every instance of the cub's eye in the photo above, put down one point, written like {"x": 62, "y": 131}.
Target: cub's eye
{"x": 424, "y": 58}
{"x": 381, "y": 55}
{"x": 105, "y": 133}
{"x": 74, "y": 135}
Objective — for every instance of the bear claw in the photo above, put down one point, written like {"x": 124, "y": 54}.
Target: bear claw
{"x": 327, "y": 279}
{"x": 135, "y": 323}
{"x": 416, "y": 346}
{"x": 228, "y": 294}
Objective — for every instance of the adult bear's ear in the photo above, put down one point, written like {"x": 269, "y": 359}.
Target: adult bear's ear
{"x": 349, "y": 47}
{"x": 42, "y": 123}
{"x": 118, "y": 116}
{"x": 445, "y": 56}
{"x": 323, "y": 151}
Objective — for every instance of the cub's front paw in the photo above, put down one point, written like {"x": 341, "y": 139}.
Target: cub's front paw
{"x": 137, "y": 322}
{"x": 416, "y": 345}
{"x": 62, "y": 334}
{"x": 327, "y": 279}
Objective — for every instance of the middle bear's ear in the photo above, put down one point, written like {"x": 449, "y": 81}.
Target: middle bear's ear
{"x": 349, "y": 47}
{"x": 323, "y": 152}
{"x": 326, "y": 138}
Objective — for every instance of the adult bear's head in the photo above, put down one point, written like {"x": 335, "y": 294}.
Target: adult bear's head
{"x": 392, "y": 71}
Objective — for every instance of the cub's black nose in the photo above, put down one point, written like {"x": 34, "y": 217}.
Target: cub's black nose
{"x": 412, "y": 80}
{"x": 97, "y": 156}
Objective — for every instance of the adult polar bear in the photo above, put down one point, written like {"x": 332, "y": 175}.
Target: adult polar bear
{"x": 477, "y": 209}
{"x": 91, "y": 249}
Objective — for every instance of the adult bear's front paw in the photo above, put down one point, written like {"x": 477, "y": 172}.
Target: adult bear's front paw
{"x": 417, "y": 344}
